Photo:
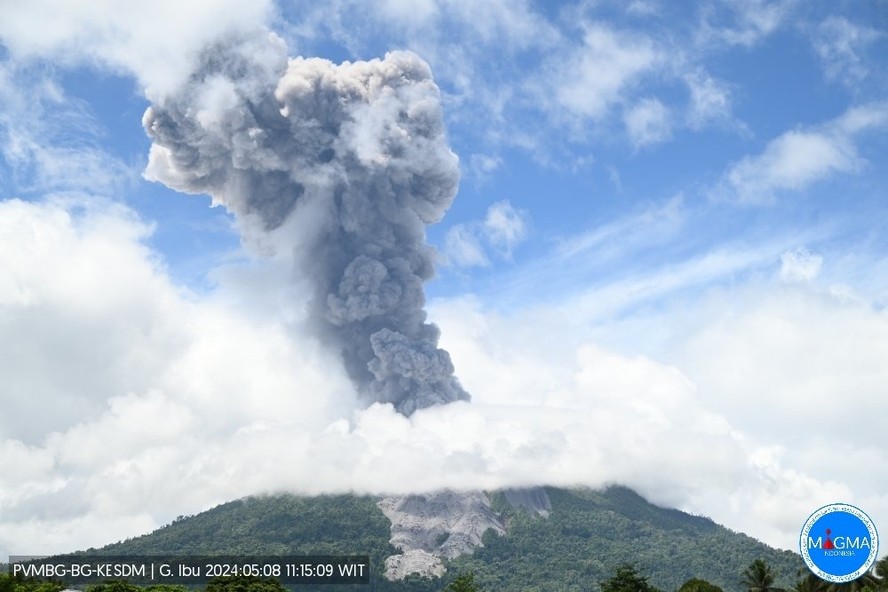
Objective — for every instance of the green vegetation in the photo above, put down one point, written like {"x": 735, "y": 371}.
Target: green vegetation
{"x": 244, "y": 584}
{"x": 698, "y": 585}
{"x": 869, "y": 582}
{"x": 588, "y": 536}
{"x": 758, "y": 577}
{"x": 124, "y": 586}
{"x": 463, "y": 583}
{"x": 8, "y": 583}
{"x": 272, "y": 525}
{"x": 627, "y": 579}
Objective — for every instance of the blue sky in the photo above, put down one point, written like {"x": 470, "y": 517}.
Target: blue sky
{"x": 670, "y": 218}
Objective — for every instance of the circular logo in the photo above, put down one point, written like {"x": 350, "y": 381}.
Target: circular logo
{"x": 839, "y": 543}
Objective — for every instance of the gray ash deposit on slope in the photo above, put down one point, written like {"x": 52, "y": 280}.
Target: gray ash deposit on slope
{"x": 344, "y": 165}
{"x": 446, "y": 524}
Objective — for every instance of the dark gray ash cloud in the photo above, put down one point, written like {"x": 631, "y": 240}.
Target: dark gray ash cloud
{"x": 355, "y": 154}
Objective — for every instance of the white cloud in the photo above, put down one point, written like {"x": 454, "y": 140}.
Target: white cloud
{"x": 50, "y": 141}
{"x": 775, "y": 379}
{"x": 513, "y": 22}
{"x": 643, "y": 8}
{"x": 800, "y": 370}
{"x": 648, "y": 122}
{"x": 117, "y": 385}
{"x": 152, "y": 444}
{"x": 505, "y": 227}
{"x": 413, "y": 14}
{"x": 473, "y": 48}
{"x": 508, "y": 61}
{"x": 595, "y": 76}
{"x": 463, "y": 248}
{"x": 174, "y": 383}
{"x": 809, "y": 357}
{"x": 470, "y": 244}
{"x": 710, "y": 100}
{"x": 154, "y": 41}
{"x": 482, "y": 166}
{"x": 742, "y": 23}
{"x": 793, "y": 161}
{"x": 799, "y": 265}
{"x": 841, "y": 46}
{"x": 798, "y": 158}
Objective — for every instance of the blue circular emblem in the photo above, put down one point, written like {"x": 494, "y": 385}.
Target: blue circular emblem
{"x": 839, "y": 543}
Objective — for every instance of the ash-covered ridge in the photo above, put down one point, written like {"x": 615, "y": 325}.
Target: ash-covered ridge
{"x": 446, "y": 524}
{"x": 341, "y": 165}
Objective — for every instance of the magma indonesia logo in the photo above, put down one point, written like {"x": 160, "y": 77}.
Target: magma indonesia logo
{"x": 839, "y": 543}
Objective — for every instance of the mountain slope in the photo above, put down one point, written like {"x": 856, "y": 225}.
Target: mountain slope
{"x": 585, "y": 536}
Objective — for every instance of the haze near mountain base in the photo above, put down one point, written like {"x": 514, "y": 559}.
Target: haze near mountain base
{"x": 342, "y": 165}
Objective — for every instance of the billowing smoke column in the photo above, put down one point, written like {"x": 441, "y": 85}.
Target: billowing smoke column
{"x": 358, "y": 151}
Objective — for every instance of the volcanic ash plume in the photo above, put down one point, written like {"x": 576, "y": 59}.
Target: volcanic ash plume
{"x": 352, "y": 158}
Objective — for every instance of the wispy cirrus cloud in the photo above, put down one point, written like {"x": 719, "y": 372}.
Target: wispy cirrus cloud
{"x": 50, "y": 141}
{"x": 741, "y": 23}
{"x": 842, "y": 47}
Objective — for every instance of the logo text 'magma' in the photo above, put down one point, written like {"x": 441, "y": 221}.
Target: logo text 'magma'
{"x": 841, "y": 542}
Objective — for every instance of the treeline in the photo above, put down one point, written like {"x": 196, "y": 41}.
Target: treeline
{"x": 9, "y": 583}
{"x": 589, "y": 532}
{"x": 757, "y": 577}
{"x": 453, "y": 583}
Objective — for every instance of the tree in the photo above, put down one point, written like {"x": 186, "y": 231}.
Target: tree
{"x": 114, "y": 586}
{"x": 10, "y": 583}
{"x": 759, "y": 577}
{"x": 809, "y": 583}
{"x": 880, "y": 570}
{"x": 166, "y": 588}
{"x": 244, "y": 584}
{"x": 627, "y": 579}
{"x": 463, "y": 583}
{"x": 698, "y": 585}
{"x": 866, "y": 582}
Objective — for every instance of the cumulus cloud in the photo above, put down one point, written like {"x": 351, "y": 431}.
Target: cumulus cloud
{"x": 799, "y": 369}
{"x": 471, "y": 244}
{"x": 201, "y": 402}
{"x": 799, "y": 158}
{"x": 115, "y": 378}
{"x": 755, "y": 367}
{"x": 596, "y": 75}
